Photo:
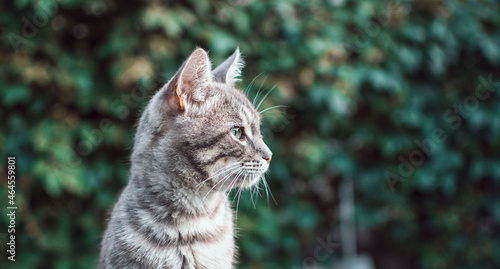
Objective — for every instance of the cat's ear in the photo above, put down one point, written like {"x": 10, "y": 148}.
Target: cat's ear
{"x": 230, "y": 70}
{"x": 191, "y": 81}
{"x": 195, "y": 76}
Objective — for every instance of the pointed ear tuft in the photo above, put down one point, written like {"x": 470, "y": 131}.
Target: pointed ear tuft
{"x": 229, "y": 71}
{"x": 195, "y": 77}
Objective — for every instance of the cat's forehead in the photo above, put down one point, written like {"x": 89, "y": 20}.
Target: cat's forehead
{"x": 234, "y": 99}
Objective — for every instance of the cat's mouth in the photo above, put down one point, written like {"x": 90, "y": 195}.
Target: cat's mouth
{"x": 254, "y": 171}
{"x": 244, "y": 175}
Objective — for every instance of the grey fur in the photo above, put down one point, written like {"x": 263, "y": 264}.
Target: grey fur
{"x": 174, "y": 212}
{"x": 229, "y": 71}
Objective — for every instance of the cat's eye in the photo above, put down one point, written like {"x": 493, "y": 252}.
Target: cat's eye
{"x": 237, "y": 132}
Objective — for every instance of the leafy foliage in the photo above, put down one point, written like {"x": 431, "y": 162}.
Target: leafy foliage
{"x": 402, "y": 97}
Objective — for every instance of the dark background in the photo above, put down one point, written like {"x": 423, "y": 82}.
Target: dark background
{"x": 401, "y": 97}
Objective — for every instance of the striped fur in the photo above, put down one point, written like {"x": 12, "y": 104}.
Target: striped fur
{"x": 174, "y": 212}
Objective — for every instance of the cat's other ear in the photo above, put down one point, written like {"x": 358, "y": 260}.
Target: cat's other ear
{"x": 190, "y": 82}
{"x": 229, "y": 71}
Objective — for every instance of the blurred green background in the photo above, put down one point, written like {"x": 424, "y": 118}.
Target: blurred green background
{"x": 401, "y": 97}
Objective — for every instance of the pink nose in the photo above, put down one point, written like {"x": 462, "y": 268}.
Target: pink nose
{"x": 268, "y": 159}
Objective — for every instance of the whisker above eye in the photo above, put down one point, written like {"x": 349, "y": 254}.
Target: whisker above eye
{"x": 273, "y": 107}
{"x": 260, "y": 88}
{"x": 265, "y": 96}
{"x": 251, "y": 83}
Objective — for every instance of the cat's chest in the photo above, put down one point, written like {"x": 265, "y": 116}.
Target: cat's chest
{"x": 215, "y": 249}
{"x": 204, "y": 242}
{"x": 217, "y": 254}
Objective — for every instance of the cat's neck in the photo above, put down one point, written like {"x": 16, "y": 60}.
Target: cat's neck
{"x": 173, "y": 199}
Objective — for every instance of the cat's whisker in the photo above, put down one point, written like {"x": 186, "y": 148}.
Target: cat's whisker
{"x": 223, "y": 169}
{"x": 265, "y": 96}
{"x": 257, "y": 192}
{"x": 267, "y": 116}
{"x": 251, "y": 83}
{"x": 234, "y": 198}
{"x": 239, "y": 195}
{"x": 241, "y": 186}
{"x": 265, "y": 189}
{"x": 229, "y": 175}
{"x": 222, "y": 180}
{"x": 251, "y": 193}
{"x": 258, "y": 91}
{"x": 268, "y": 191}
{"x": 273, "y": 107}
{"x": 233, "y": 182}
{"x": 220, "y": 171}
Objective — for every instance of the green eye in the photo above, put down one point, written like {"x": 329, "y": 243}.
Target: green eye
{"x": 237, "y": 132}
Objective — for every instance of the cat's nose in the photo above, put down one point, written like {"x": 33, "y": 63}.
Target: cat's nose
{"x": 263, "y": 151}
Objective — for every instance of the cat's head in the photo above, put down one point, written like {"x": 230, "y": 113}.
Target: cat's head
{"x": 202, "y": 128}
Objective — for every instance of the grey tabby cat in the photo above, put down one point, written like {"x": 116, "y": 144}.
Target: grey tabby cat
{"x": 198, "y": 138}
